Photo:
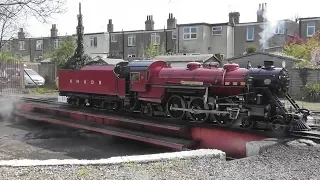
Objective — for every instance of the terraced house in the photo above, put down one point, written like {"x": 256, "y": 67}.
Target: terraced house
{"x": 133, "y": 44}
{"x": 33, "y": 49}
{"x": 261, "y": 34}
{"x": 308, "y": 26}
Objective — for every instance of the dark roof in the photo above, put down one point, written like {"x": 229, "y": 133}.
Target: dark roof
{"x": 142, "y": 31}
{"x": 308, "y": 18}
{"x": 203, "y": 23}
{"x": 263, "y": 53}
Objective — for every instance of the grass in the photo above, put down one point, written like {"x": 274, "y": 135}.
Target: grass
{"x": 314, "y": 106}
{"x": 43, "y": 90}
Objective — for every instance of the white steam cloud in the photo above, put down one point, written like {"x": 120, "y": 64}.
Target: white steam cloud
{"x": 268, "y": 29}
{"x": 7, "y": 106}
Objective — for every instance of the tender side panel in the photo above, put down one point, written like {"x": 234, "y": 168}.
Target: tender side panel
{"x": 88, "y": 81}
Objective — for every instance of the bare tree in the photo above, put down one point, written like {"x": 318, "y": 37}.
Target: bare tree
{"x": 14, "y": 13}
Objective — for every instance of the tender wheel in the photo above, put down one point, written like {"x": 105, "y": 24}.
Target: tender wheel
{"x": 197, "y": 103}
{"x": 278, "y": 126}
{"x": 176, "y": 102}
{"x": 147, "y": 110}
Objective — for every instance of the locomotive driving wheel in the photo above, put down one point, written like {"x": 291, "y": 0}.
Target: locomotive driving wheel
{"x": 198, "y": 103}
{"x": 176, "y": 102}
{"x": 224, "y": 119}
{"x": 278, "y": 125}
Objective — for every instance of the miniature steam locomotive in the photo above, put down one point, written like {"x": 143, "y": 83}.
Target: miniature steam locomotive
{"x": 198, "y": 93}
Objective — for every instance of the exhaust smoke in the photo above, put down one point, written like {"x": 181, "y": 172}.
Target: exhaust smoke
{"x": 7, "y": 107}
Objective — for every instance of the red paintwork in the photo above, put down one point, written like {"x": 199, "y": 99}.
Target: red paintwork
{"x": 102, "y": 80}
{"x": 233, "y": 143}
{"x": 91, "y": 79}
{"x": 226, "y": 140}
{"x": 160, "y": 73}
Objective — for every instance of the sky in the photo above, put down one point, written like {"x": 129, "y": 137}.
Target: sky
{"x": 131, "y": 14}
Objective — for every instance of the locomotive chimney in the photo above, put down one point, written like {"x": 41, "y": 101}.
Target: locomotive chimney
{"x": 268, "y": 64}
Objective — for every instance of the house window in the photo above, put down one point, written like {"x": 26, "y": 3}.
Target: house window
{"x": 250, "y": 33}
{"x": 93, "y": 41}
{"x": 280, "y": 28}
{"x": 311, "y": 28}
{"x": 39, "y": 45}
{"x": 56, "y": 43}
{"x": 217, "y": 30}
{"x": 132, "y": 40}
{"x": 155, "y": 38}
{"x": 113, "y": 38}
{"x": 190, "y": 33}
{"x": 131, "y": 55}
{"x": 174, "y": 35}
{"x": 21, "y": 45}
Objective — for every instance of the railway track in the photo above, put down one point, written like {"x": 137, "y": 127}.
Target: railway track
{"x": 311, "y": 135}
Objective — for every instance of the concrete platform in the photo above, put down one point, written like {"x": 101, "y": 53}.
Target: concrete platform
{"x": 186, "y": 155}
{"x": 257, "y": 147}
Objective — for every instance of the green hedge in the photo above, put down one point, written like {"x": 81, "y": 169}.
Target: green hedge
{"x": 311, "y": 92}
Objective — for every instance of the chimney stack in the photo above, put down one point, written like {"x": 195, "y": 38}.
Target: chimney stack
{"x": 261, "y": 12}
{"x": 21, "y": 34}
{"x": 110, "y": 26}
{"x": 149, "y": 23}
{"x": 54, "y": 30}
{"x": 234, "y": 18}
{"x": 171, "y": 22}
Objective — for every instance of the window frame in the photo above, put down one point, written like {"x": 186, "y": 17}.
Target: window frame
{"x": 247, "y": 34}
{"x": 278, "y": 29}
{"x": 22, "y": 44}
{"x": 174, "y": 34}
{"x": 133, "y": 40}
{"x": 155, "y": 37}
{"x": 190, "y": 33}
{"x": 93, "y": 41}
{"x": 39, "y": 44}
{"x": 312, "y": 26}
{"x": 56, "y": 43}
{"x": 214, "y": 29}
{"x": 114, "y": 38}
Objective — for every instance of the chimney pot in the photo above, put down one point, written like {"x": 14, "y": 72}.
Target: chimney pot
{"x": 265, "y": 5}
{"x": 262, "y": 6}
{"x": 259, "y": 6}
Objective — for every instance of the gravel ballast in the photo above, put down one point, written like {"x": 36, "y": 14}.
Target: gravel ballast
{"x": 291, "y": 160}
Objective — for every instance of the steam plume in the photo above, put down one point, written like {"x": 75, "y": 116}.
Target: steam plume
{"x": 7, "y": 106}
{"x": 268, "y": 29}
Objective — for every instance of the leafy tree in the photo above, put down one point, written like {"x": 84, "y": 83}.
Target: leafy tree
{"x": 153, "y": 50}
{"x": 300, "y": 49}
{"x": 79, "y": 59}
{"x": 64, "y": 52}
{"x": 251, "y": 49}
{"x": 6, "y": 56}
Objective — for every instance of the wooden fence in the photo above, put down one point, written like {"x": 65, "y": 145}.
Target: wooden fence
{"x": 296, "y": 82}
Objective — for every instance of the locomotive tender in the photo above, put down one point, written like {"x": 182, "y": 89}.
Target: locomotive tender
{"x": 198, "y": 93}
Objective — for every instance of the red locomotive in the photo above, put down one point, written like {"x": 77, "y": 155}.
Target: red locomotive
{"x": 197, "y": 92}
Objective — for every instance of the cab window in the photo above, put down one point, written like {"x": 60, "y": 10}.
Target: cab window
{"x": 135, "y": 77}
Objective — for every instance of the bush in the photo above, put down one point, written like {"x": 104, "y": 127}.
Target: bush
{"x": 312, "y": 92}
